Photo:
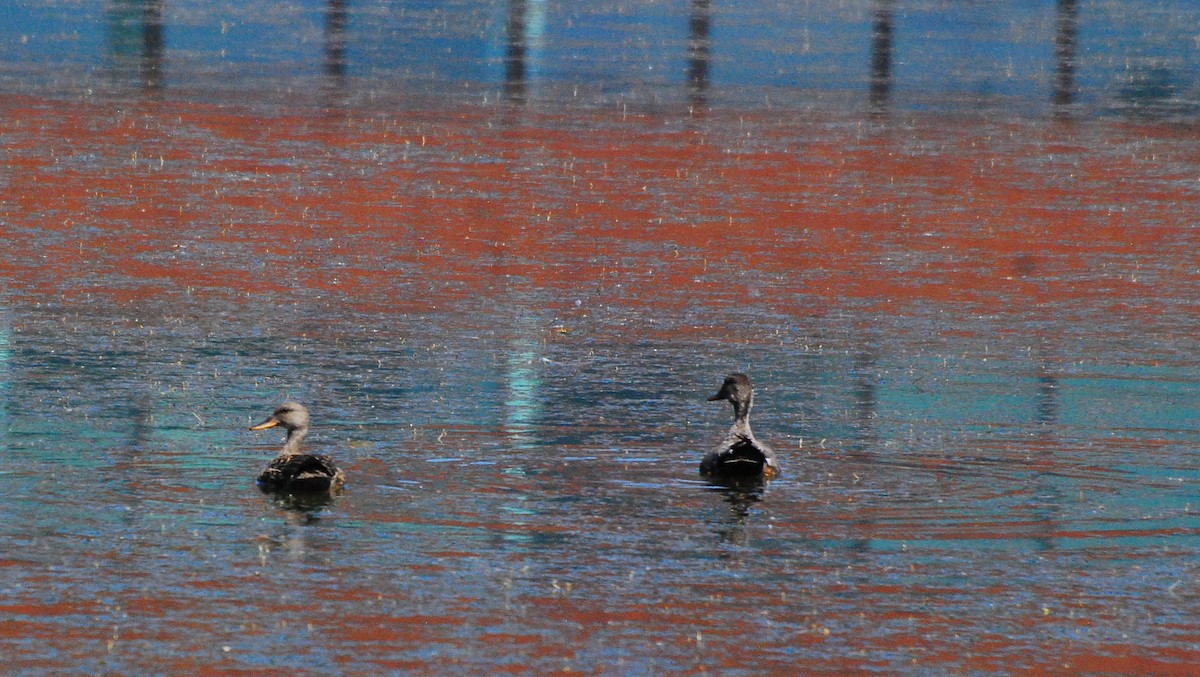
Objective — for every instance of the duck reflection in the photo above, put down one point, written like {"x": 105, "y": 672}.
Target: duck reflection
{"x": 741, "y": 495}
{"x": 294, "y": 537}
{"x": 301, "y": 508}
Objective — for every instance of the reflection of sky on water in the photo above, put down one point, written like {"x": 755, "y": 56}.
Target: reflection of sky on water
{"x": 1118, "y": 51}
{"x": 521, "y": 403}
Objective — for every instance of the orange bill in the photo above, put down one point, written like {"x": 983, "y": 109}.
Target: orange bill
{"x": 269, "y": 423}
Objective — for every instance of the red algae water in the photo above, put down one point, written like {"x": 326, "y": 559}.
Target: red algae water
{"x": 974, "y": 345}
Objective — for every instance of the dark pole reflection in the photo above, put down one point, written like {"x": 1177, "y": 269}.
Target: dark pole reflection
{"x": 1047, "y": 399}
{"x": 699, "y": 47}
{"x": 1044, "y": 479}
{"x": 152, "y": 44}
{"x": 515, "y": 52}
{"x": 881, "y": 55}
{"x": 1065, "y": 35}
{"x": 1048, "y": 495}
{"x": 866, "y": 397}
{"x": 335, "y": 40}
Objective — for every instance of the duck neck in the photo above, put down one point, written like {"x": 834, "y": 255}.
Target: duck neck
{"x": 741, "y": 417}
{"x": 292, "y": 445}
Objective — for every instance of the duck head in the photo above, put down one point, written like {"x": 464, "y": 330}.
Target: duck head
{"x": 290, "y": 415}
{"x": 293, "y": 417}
{"x": 738, "y": 391}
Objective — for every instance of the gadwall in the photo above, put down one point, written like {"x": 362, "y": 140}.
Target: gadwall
{"x": 291, "y": 470}
{"x": 739, "y": 454}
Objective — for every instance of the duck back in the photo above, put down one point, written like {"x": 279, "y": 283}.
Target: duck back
{"x": 741, "y": 457}
{"x": 301, "y": 473}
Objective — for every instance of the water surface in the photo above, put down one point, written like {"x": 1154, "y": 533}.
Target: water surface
{"x": 973, "y": 336}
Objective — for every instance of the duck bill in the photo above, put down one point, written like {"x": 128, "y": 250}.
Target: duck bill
{"x": 722, "y": 395}
{"x": 269, "y": 423}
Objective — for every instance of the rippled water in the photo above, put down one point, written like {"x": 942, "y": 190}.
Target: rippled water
{"x": 974, "y": 345}
{"x": 973, "y": 337}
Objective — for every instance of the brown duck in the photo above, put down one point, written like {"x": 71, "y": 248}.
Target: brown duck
{"x": 292, "y": 471}
{"x": 739, "y": 454}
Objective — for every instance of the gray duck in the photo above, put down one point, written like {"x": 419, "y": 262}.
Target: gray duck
{"x": 293, "y": 471}
{"x": 739, "y": 455}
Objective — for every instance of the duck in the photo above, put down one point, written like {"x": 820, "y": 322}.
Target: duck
{"x": 739, "y": 455}
{"x": 293, "y": 471}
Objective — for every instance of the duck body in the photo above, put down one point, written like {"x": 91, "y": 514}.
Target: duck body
{"x": 740, "y": 454}
{"x": 293, "y": 471}
{"x": 301, "y": 473}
